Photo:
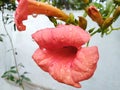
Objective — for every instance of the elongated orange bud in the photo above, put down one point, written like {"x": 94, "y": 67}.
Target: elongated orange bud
{"x": 44, "y": 8}
{"x": 95, "y": 15}
{"x": 30, "y": 7}
{"x": 107, "y": 22}
{"x": 82, "y": 22}
{"x": 116, "y": 13}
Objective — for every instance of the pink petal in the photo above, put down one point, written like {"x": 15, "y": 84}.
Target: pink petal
{"x": 57, "y": 63}
{"x": 21, "y": 14}
{"x": 67, "y": 66}
{"x": 85, "y": 63}
{"x": 61, "y": 36}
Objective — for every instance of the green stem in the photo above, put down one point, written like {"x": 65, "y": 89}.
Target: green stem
{"x": 85, "y": 14}
{"x": 12, "y": 46}
{"x": 116, "y": 28}
{"x": 95, "y": 32}
{"x": 87, "y": 44}
{"x": 111, "y": 11}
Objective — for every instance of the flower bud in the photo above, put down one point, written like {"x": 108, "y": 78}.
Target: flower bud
{"x": 116, "y": 13}
{"x": 107, "y": 22}
{"x": 117, "y": 2}
{"x": 82, "y": 22}
{"x": 86, "y": 1}
{"x": 95, "y": 15}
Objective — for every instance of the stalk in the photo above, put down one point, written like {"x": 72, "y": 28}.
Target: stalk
{"x": 12, "y": 46}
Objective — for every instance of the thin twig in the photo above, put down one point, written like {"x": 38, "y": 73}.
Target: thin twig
{"x": 12, "y": 46}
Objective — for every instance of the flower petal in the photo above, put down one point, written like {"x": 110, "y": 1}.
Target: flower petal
{"x": 85, "y": 63}
{"x": 57, "y": 63}
{"x": 61, "y": 36}
{"x": 68, "y": 67}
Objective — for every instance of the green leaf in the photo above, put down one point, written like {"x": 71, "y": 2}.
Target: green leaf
{"x": 2, "y": 34}
{"x": 25, "y": 78}
{"x": 91, "y": 30}
{"x": 1, "y": 39}
{"x": 19, "y": 81}
{"x": 98, "y": 5}
{"x": 4, "y": 75}
{"x": 25, "y": 72}
{"x": 13, "y": 71}
{"x": 71, "y": 20}
{"x": 10, "y": 22}
{"x": 53, "y": 20}
{"x": 13, "y": 67}
{"x": 14, "y": 27}
{"x": 11, "y": 77}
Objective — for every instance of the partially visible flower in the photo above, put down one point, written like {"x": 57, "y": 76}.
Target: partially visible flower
{"x": 61, "y": 54}
{"x": 29, "y": 7}
{"x": 95, "y": 15}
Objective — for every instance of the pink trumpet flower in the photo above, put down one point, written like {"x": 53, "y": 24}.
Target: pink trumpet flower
{"x": 30, "y": 7}
{"x": 61, "y": 54}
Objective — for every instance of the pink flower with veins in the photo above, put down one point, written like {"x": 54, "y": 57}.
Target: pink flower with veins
{"x": 62, "y": 55}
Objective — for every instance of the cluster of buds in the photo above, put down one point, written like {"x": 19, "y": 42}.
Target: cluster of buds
{"x": 96, "y": 16}
{"x": 108, "y": 21}
{"x": 117, "y": 2}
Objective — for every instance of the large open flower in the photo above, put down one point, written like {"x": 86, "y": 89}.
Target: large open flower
{"x": 61, "y": 54}
{"x": 29, "y": 7}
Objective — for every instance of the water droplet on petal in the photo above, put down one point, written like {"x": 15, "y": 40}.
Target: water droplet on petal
{"x": 34, "y": 15}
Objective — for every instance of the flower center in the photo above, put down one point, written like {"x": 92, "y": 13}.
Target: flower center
{"x": 70, "y": 49}
{"x": 65, "y": 52}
